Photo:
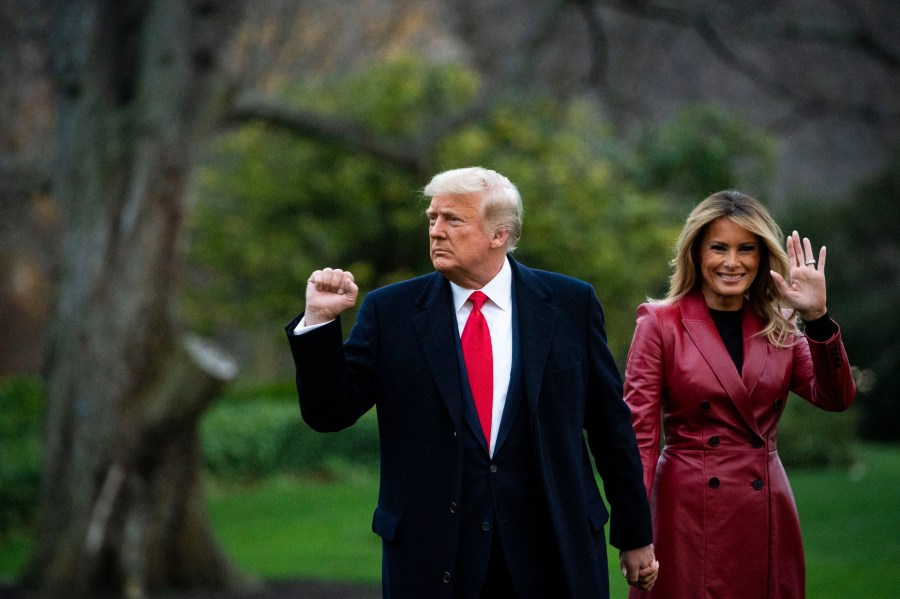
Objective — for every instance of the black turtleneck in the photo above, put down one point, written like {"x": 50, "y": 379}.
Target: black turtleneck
{"x": 729, "y": 324}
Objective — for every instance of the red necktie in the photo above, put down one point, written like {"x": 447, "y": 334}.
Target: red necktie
{"x": 476, "y": 346}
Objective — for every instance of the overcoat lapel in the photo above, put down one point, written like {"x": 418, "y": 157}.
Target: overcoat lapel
{"x": 437, "y": 333}
{"x": 537, "y": 323}
{"x": 756, "y": 349}
{"x": 436, "y": 330}
{"x": 703, "y": 332}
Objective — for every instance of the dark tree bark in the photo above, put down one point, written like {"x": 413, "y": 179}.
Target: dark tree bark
{"x": 121, "y": 506}
{"x": 29, "y": 218}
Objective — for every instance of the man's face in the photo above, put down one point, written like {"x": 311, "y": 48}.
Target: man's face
{"x": 461, "y": 246}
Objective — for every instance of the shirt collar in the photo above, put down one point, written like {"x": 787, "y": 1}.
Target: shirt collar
{"x": 498, "y": 289}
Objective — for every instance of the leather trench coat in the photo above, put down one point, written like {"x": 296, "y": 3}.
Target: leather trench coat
{"x": 724, "y": 518}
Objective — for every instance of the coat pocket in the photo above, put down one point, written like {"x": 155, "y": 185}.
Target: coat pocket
{"x": 597, "y": 514}
{"x": 384, "y": 523}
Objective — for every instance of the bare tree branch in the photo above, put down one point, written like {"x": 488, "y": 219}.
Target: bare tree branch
{"x": 342, "y": 132}
{"x": 859, "y": 39}
{"x": 413, "y": 155}
{"x": 815, "y": 105}
{"x": 704, "y": 28}
{"x": 597, "y": 34}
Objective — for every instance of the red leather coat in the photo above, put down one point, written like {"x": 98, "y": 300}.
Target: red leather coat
{"x": 724, "y": 519}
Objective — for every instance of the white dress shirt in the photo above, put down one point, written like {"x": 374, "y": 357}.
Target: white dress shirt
{"x": 498, "y": 314}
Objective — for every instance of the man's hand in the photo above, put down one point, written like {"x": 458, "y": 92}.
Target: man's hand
{"x": 639, "y": 567}
{"x": 329, "y": 292}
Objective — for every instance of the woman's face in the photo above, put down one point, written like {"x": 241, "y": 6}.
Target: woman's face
{"x": 729, "y": 262}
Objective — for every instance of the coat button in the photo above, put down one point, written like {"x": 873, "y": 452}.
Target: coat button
{"x": 704, "y": 405}
{"x": 714, "y": 483}
{"x": 713, "y": 441}
{"x": 777, "y": 404}
{"x": 446, "y": 578}
{"x": 758, "y": 484}
{"x": 486, "y": 526}
{"x": 453, "y": 507}
{"x": 493, "y": 467}
{"x": 757, "y": 442}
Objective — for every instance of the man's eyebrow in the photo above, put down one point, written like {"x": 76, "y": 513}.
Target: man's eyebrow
{"x": 442, "y": 211}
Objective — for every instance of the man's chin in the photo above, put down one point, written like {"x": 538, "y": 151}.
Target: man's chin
{"x": 444, "y": 266}
{"x": 440, "y": 263}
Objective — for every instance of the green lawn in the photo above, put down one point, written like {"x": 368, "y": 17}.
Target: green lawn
{"x": 851, "y": 526}
{"x": 314, "y": 529}
{"x": 850, "y": 519}
{"x": 310, "y": 529}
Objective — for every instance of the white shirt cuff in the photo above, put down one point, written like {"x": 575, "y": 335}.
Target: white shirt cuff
{"x": 301, "y": 327}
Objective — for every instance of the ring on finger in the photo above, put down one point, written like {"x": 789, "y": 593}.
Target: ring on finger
{"x": 808, "y": 262}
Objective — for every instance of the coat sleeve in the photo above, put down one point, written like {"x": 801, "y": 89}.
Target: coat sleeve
{"x": 334, "y": 380}
{"x": 822, "y": 374}
{"x": 611, "y": 439}
{"x": 644, "y": 388}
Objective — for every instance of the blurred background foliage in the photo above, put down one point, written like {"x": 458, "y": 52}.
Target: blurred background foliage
{"x": 272, "y": 206}
{"x": 599, "y": 112}
{"x": 269, "y": 206}
{"x": 863, "y": 270}
{"x": 20, "y": 441}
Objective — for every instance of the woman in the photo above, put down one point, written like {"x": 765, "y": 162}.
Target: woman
{"x": 711, "y": 366}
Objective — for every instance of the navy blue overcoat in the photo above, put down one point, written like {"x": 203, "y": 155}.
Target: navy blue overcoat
{"x": 401, "y": 357}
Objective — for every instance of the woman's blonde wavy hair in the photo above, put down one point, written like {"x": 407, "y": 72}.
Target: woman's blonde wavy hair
{"x": 763, "y": 296}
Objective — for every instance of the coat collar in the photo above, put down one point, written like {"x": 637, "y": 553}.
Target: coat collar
{"x": 435, "y": 327}
{"x": 700, "y": 327}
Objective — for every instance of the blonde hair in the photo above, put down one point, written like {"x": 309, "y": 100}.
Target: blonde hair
{"x": 763, "y": 295}
{"x": 501, "y": 204}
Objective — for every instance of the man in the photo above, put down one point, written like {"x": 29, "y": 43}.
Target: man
{"x": 487, "y": 488}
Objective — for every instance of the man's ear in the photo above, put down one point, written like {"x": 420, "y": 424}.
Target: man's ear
{"x": 499, "y": 238}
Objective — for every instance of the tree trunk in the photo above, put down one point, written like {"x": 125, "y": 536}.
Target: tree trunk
{"x": 29, "y": 218}
{"x": 121, "y": 505}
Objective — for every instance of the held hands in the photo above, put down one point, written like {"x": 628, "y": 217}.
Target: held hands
{"x": 639, "y": 567}
{"x": 329, "y": 292}
{"x": 806, "y": 293}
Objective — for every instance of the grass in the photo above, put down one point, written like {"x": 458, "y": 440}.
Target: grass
{"x": 288, "y": 528}
{"x": 851, "y": 526}
{"x": 306, "y": 528}
{"x": 850, "y": 520}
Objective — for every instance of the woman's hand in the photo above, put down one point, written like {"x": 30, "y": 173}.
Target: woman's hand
{"x": 639, "y": 567}
{"x": 806, "y": 293}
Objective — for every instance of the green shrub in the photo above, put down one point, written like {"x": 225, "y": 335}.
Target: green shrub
{"x": 809, "y": 437}
{"x": 20, "y": 448}
{"x": 250, "y": 440}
